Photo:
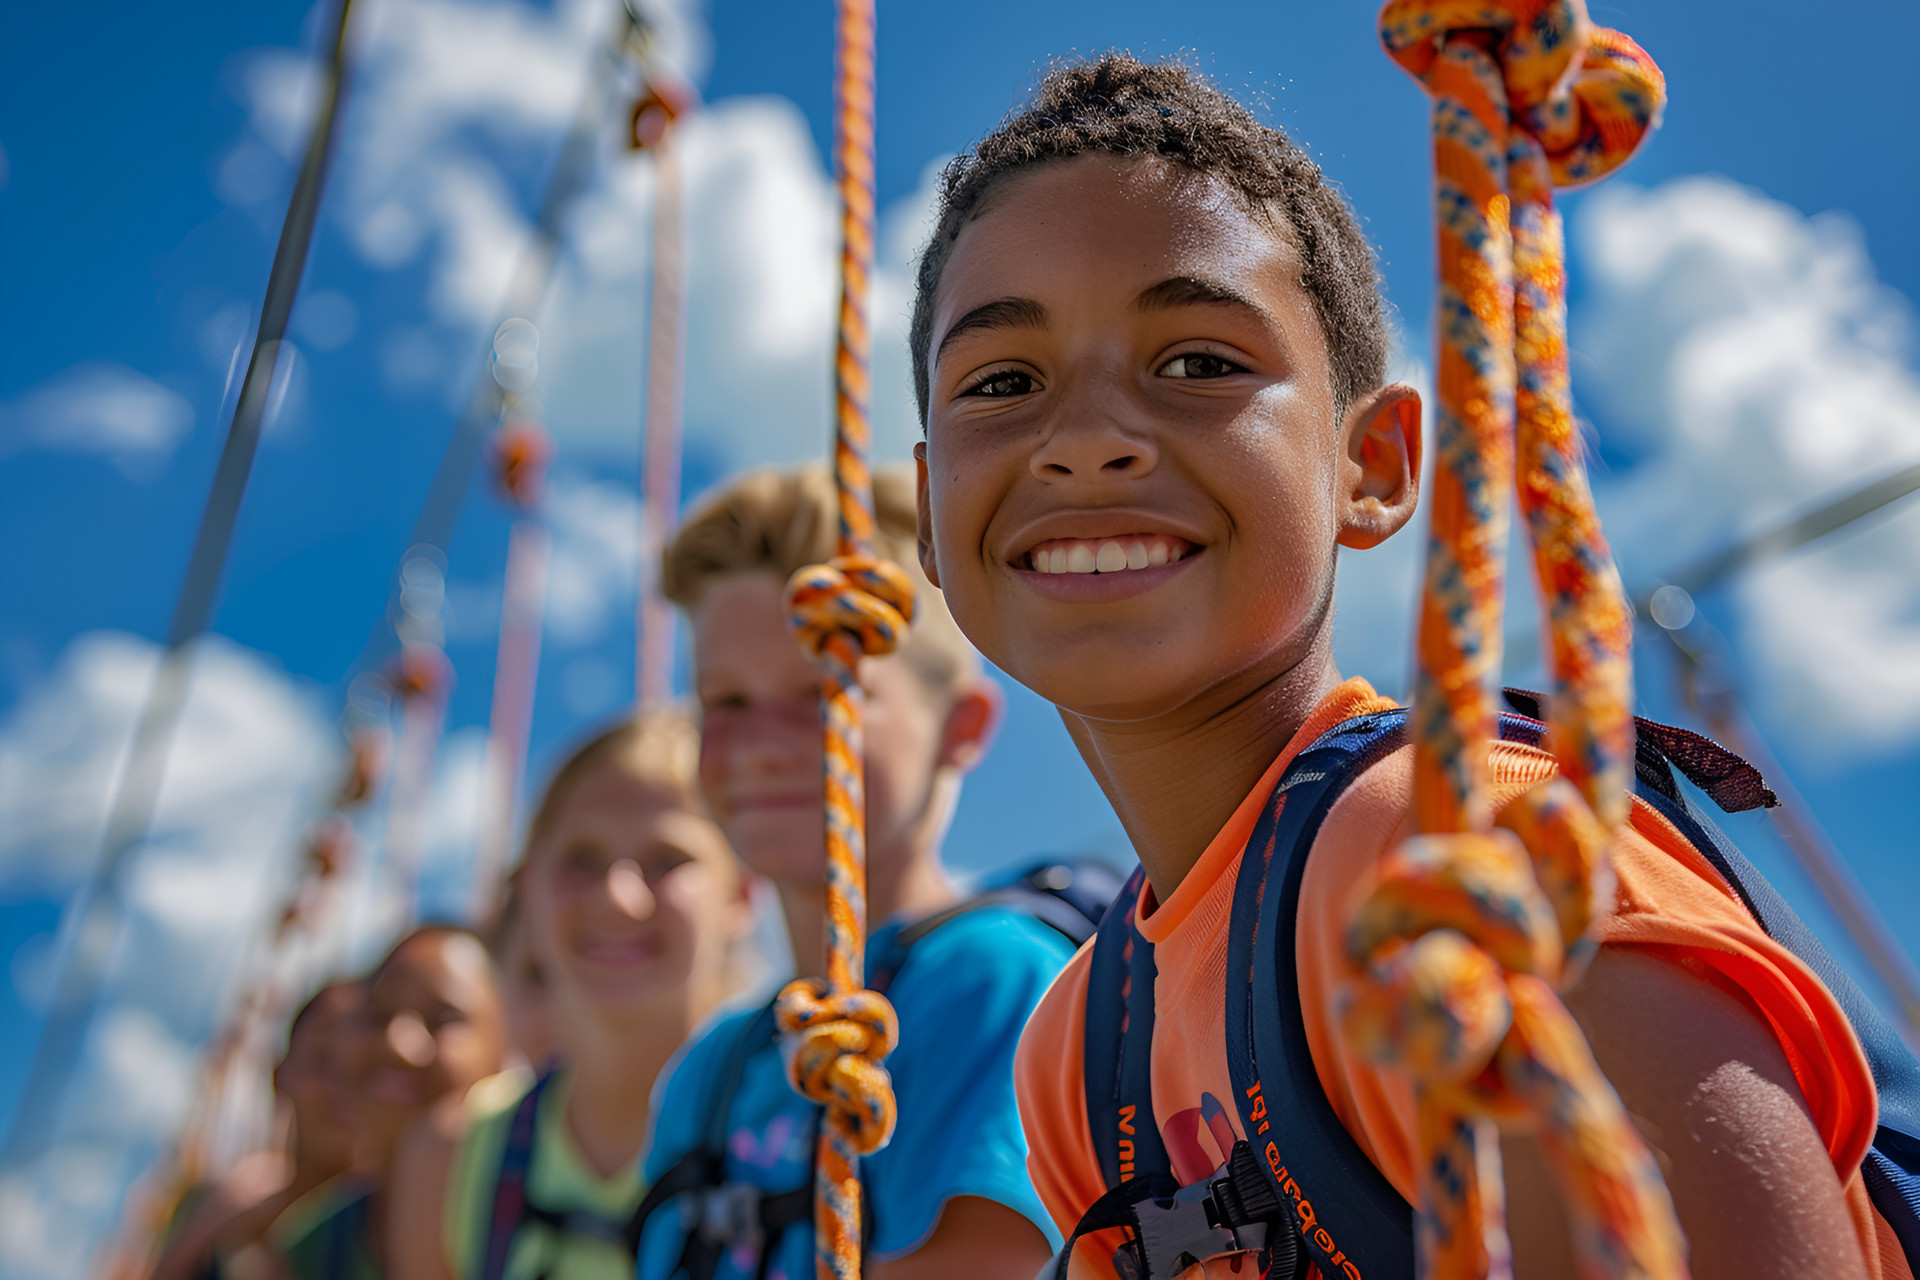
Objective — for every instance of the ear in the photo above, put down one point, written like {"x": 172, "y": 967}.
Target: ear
{"x": 923, "y": 515}
{"x": 971, "y": 723}
{"x": 1379, "y": 465}
{"x": 740, "y": 902}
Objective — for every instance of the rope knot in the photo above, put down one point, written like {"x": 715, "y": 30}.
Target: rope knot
{"x": 1589, "y": 94}
{"x": 519, "y": 452}
{"x": 860, "y": 596}
{"x": 834, "y": 1044}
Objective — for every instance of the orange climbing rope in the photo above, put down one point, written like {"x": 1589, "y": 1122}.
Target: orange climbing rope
{"x": 855, "y": 606}
{"x": 1477, "y": 921}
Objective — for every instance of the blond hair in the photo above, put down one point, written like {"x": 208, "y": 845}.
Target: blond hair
{"x": 780, "y": 520}
{"x": 659, "y": 746}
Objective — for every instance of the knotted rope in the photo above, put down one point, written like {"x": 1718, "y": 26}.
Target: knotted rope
{"x": 1476, "y": 922}
{"x": 856, "y": 606}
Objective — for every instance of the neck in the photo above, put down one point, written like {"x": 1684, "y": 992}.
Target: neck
{"x": 1174, "y": 780}
{"x": 903, "y": 878}
{"x": 612, "y": 1065}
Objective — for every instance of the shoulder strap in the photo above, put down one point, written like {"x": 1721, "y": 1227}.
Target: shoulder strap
{"x": 1063, "y": 907}
{"x": 510, "y": 1187}
{"x": 703, "y": 1167}
{"x": 1118, "y": 1046}
{"x": 1352, "y": 1219}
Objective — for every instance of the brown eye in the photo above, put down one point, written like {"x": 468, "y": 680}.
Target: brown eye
{"x": 1008, "y": 382}
{"x": 1198, "y": 364}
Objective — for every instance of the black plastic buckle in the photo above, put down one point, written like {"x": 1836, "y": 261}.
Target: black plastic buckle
{"x": 727, "y": 1215}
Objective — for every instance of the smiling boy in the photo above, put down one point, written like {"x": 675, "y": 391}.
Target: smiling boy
{"x": 1150, "y": 355}
{"x": 949, "y": 1196}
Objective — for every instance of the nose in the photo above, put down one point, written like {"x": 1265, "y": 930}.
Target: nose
{"x": 1091, "y": 444}
{"x": 628, "y": 890}
{"x": 410, "y": 1041}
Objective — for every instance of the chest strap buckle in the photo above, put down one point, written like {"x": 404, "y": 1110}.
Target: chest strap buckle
{"x": 726, "y": 1216}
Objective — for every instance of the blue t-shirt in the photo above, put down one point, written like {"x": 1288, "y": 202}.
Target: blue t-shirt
{"x": 963, "y": 996}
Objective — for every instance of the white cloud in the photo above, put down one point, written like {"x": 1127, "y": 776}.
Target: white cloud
{"x": 101, "y": 408}
{"x": 450, "y": 830}
{"x": 1751, "y": 359}
{"x": 595, "y": 563}
{"x": 458, "y": 110}
{"x": 249, "y": 758}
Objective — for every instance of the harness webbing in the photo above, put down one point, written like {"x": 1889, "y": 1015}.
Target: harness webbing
{"x": 855, "y": 606}
{"x": 1477, "y": 921}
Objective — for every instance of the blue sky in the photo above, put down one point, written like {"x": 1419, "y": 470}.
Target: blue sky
{"x": 1740, "y": 296}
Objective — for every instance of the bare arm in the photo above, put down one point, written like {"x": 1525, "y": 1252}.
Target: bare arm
{"x": 975, "y": 1239}
{"x": 1706, "y": 1082}
{"x": 414, "y": 1233}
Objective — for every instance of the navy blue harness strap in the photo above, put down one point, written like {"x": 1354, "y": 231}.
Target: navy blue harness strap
{"x": 1118, "y": 1057}
{"x": 1284, "y": 1112}
{"x": 510, "y": 1187}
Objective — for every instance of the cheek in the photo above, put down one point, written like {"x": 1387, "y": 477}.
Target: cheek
{"x": 549, "y": 909}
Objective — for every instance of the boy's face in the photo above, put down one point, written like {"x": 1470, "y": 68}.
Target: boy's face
{"x": 1127, "y": 376}
{"x": 760, "y": 749}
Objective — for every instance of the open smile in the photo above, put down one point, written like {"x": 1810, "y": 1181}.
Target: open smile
{"x": 1128, "y": 554}
{"x": 1101, "y": 570}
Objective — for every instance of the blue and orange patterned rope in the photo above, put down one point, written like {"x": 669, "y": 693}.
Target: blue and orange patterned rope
{"x": 1477, "y": 922}
{"x": 856, "y": 606}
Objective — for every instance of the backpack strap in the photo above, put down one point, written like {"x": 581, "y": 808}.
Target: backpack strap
{"x": 1070, "y": 898}
{"x": 702, "y": 1170}
{"x": 1361, "y": 1225}
{"x": 510, "y": 1187}
{"x": 1351, "y": 1219}
{"x": 1117, "y": 1053}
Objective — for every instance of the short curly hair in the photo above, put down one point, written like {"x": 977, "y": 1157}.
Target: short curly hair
{"x": 1117, "y": 105}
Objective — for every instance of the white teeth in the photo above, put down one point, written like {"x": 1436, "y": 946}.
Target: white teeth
{"x": 1108, "y": 555}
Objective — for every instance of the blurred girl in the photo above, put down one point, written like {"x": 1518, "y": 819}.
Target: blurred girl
{"x": 431, "y": 1026}
{"x": 229, "y": 1217}
{"x": 635, "y": 913}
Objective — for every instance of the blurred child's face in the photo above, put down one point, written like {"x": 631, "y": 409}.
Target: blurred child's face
{"x": 760, "y": 750}
{"x": 1127, "y": 375}
{"x": 313, "y": 1078}
{"x": 630, "y": 898}
{"x": 432, "y": 1025}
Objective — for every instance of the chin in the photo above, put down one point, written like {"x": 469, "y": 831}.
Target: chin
{"x": 782, "y": 848}
{"x": 1117, "y": 682}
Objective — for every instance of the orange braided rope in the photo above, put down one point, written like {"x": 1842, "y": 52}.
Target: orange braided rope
{"x": 1462, "y": 945}
{"x": 856, "y": 606}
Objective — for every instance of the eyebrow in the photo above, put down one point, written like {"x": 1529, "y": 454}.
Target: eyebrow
{"x": 1188, "y": 291}
{"x": 1001, "y": 313}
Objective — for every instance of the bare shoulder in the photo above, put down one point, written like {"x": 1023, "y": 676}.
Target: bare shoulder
{"x": 417, "y": 1194}
{"x": 1709, "y": 1087}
